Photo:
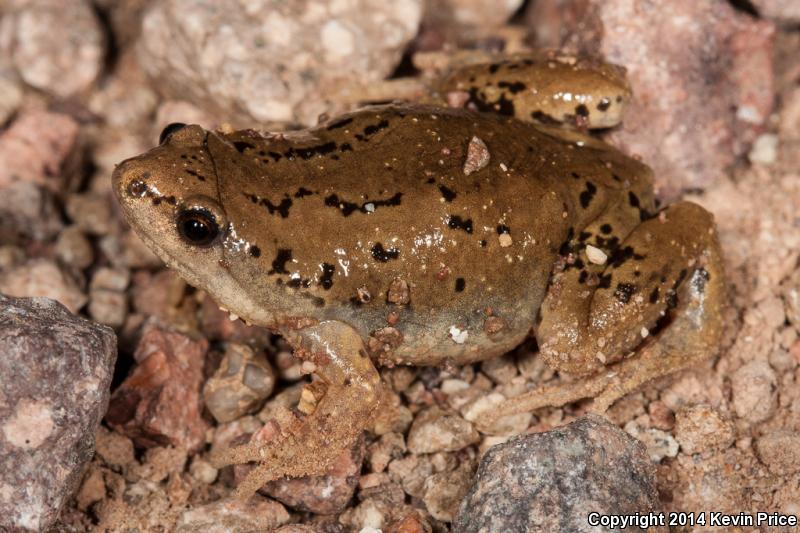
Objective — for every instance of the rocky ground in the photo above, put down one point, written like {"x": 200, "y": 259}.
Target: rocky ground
{"x": 85, "y": 84}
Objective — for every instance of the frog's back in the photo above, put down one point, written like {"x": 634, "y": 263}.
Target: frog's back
{"x": 435, "y": 228}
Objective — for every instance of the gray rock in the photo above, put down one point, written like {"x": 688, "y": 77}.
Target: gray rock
{"x": 243, "y": 380}
{"x": 55, "y": 373}
{"x": 551, "y": 481}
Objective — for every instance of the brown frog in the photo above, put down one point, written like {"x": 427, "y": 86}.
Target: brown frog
{"x": 422, "y": 235}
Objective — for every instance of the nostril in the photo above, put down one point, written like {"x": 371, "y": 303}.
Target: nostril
{"x": 169, "y": 130}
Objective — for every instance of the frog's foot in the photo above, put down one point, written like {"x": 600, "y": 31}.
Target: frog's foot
{"x": 665, "y": 303}
{"x": 310, "y": 445}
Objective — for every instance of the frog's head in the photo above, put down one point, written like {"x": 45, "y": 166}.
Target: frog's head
{"x": 170, "y": 196}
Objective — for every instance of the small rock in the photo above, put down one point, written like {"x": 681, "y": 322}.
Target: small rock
{"x": 160, "y": 402}
{"x": 398, "y": 293}
{"x": 108, "y": 302}
{"x": 550, "y": 481}
{"x": 435, "y": 430}
{"x": 234, "y": 516}
{"x": 701, "y": 427}
{"x": 780, "y": 451}
{"x": 445, "y": 490}
{"x": 326, "y": 494}
{"x": 659, "y": 444}
{"x": 753, "y": 388}
{"x": 595, "y": 255}
{"x": 203, "y": 471}
{"x": 28, "y": 212}
{"x": 55, "y": 46}
{"x": 411, "y": 472}
{"x": 43, "y": 278}
{"x": 55, "y": 371}
{"x": 393, "y": 417}
{"x": 410, "y": 523}
{"x": 243, "y": 380}
{"x": 390, "y": 446}
{"x": 74, "y": 249}
{"x": 661, "y": 416}
{"x": 36, "y": 148}
{"x": 91, "y": 212}
{"x": 478, "y": 156}
{"x": 765, "y": 149}
{"x": 500, "y": 369}
{"x": 114, "y": 449}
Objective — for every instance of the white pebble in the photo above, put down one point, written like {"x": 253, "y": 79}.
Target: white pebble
{"x": 596, "y": 255}
{"x": 459, "y": 336}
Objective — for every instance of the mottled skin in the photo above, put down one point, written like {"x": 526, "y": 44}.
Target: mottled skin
{"x": 586, "y": 93}
{"x": 371, "y": 235}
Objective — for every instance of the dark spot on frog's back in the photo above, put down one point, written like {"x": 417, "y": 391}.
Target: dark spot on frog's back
{"x": 513, "y": 87}
{"x": 283, "y": 256}
{"x": 587, "y": 195}
{"x": 604, "y": 104}
{"x": 383, "y": 255}
{"x": 460, "y": 284}
{"x": 255, "y": 251}
{"x": 456, "y": 222}
{"x": 301, "y": 192}
{"x": 448, "y": 194}
{"x": 582, "y": 111}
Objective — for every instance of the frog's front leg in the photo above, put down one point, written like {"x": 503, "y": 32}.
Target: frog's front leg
{"x": 351, "y": 397}
{"x": 663, "y": 296}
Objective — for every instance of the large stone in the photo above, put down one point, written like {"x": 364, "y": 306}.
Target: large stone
{"x": 551, "y": 481}
{"x": 273, "y": 61}
{"x": 701, "y": 74}
{"x": 55, "y": 373}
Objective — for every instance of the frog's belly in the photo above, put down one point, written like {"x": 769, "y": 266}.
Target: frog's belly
{"x": 432, "y": 336}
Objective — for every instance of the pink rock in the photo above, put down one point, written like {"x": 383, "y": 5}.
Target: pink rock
{"x": 55, "y": 373}
{"x": 701, "y": 74}
{"x": 35, "y": 148}
{"x": 160, "y": 403}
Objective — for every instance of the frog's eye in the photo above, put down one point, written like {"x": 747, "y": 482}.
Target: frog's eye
{"x": 197, "y": 226}
{"x": 169, "y": 130}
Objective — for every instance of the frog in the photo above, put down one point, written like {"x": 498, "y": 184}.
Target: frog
{"x": 422, "y": 234}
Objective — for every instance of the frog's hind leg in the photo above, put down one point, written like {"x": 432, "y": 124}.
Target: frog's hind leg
{"x": 664, "y": 300}
{"x": 310, "y": 446}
